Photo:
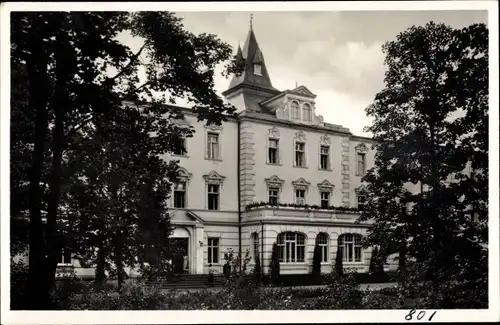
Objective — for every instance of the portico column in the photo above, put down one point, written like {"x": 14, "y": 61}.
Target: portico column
{"x": 198, "y": 249}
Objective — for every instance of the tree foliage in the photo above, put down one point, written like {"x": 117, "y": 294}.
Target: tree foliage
{"x": 431, "y": 127}
{"x": 70, "y": 78}
{"x": 316, "y": 267}
{"x": 274, "y": 265}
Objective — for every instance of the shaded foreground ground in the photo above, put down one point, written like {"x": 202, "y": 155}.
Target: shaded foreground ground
{"x": 363, "y": 286}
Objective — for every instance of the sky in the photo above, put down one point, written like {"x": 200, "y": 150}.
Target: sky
{"x": 336, "y": 54}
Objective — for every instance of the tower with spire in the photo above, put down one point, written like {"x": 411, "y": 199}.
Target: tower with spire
{"x": 253, "y": 85}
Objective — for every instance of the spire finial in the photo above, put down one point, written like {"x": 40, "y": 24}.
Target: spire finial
{"x": 251, "y": 18}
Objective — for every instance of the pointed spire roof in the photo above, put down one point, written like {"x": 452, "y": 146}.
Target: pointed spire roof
{"x": 252, "y": 55}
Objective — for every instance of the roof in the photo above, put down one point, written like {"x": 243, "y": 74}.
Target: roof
{"x": 252, "y": 54}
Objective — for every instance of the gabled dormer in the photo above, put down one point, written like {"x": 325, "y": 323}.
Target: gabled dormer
{"x": 296, "y": 105}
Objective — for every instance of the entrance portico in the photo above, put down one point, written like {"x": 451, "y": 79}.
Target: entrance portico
{"x": 188, "y": 228}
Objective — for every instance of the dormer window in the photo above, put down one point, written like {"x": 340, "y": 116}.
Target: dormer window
{"x": 307, "y": 113}
{"x": 257, "y": 69}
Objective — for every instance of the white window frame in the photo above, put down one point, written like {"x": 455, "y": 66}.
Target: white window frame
{"x": 277, "y": 194}
{"x": 184, "y": 190}
{"x": 321, "y": 192}
{"x": 351, "y": 245}
{"x": 209, "y": 185}
{"x": 360, "y": 172}
{"x": 307, "y": 110}
{"x": 277, "y": 149}
{"x": 212, "y": 156}
{"x": 328, "y": 157}
{"x": 322, "y": 240}
{"x": 293, "y": 111}
{"x": 288, "y": 242}
{"x": 304, "y": 158}
{"x": 300, "y": 200}
{"x": 210, "y": 248}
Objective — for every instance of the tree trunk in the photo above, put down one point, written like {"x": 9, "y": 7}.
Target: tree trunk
{"x": 37, "y": 101}
{"x": 100, "y": 271}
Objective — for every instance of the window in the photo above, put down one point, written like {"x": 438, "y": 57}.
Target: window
{"x": 181, "y": 150}
{"x": 350, "y": 247}
{"x": 273, "y": 196}
{"x": 324, "y": 157}
{"x": 213, "y": 145}
{"x": 180, "y": 195}
{"x": 295, "y": 110}
{"x": 213, "y": 250}
{"x": 322, "y": 242}
{"x": 213, "y": 197}
{"x": 325, "y": 199}
{"x": 300, "y": 154}
{"x": 300, "y": 196}
{"x": 65, "y": 257}
{"x": 257, "y": 69}
{"x": 273, "y": 151}
{"x": 291, "y": 247}
{"x": 307, "y": 113}
{"x": 255, "y": 244}
{"x": 361, "y": 201}
{"x": 361, "y": 165}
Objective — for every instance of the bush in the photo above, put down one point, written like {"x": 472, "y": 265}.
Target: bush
{"x": 274, "y": 265}
{"x": 316, "y": 267}
{"x": 18, "y": 285}
{"x": 339, "y": 267}
{"x": 134, "y": 296}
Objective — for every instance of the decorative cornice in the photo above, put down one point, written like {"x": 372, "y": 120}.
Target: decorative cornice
{"x": 359, "y": 189}
{"x": 301, "y": 183}
{"x": 213, "y": 127}
{"x": 274, "y": 181}
{"x": 184, "y": 175}
{"x": 214, "y": 178}
{"x": 300, "y": 136}
{"x": 274, "y": 133}
{"x": 326, "y": 185}
{"x": 325, "y": 139}
{"x": 362, "y": 148}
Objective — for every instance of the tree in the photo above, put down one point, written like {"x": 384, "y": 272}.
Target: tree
{"x": 430, "y": 123}
{"x": 316, "y": 267}
{"x": 339, "y": 267}
{"x": 274, "y": 265}
{"x": 75, "y": 73}
{"x": 256, "y": 270}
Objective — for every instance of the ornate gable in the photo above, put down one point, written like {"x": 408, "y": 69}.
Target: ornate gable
{"x": 274, "y": 133}
{"x": 303, "y": 91}
{"x": 361, "y": 148}
{"x": 183, "y": 175}
{"x": 301, "y": 183}
{"x": 326, "y": 186}
{"x": 214, "y": 178}
{"x": 274, "y": 181}
{"x": 300, "y": 136}
{"x": 325, "y": 139}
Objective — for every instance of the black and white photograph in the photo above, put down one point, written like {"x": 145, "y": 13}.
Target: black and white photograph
{"x": 258, "y": 156}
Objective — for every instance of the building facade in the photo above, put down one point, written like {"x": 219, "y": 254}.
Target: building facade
{"x": 272, "y": 175}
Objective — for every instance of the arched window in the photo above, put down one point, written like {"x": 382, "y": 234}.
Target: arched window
{"x": 322, "y": 242}
{"x": 307, "y": 113}
{"x": 255, "y": 245}
{"x": 292, "y": 247}
{"x": 350, "y": 247}
{"x": 295, "y": 110}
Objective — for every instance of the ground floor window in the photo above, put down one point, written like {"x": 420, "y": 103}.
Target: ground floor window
{"x": 350, "y": 247}
{"x": 322, "y": 242}
{"x": 291, "y": 247}
{"x": 213, "y": 250}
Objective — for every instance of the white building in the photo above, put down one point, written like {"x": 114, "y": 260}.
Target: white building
{"x": 278, "y": 150}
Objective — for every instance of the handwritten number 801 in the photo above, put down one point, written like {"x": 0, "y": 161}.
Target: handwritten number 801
{"x": 420, "y": 315}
